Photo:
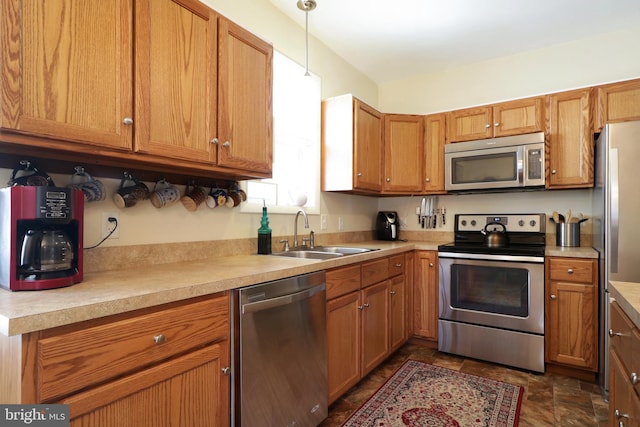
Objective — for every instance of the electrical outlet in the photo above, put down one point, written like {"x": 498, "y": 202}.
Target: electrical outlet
{"x": 323, "y": 221}
{"x": 108, "y": 226}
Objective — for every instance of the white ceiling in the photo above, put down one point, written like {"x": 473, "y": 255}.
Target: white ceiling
{"x": 394, "y": 39}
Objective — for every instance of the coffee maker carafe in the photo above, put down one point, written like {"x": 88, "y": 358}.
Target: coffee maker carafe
{"x": 42, "y": 231}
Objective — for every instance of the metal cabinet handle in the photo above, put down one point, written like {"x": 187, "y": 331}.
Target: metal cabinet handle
{"x": 635, "y": 379}
{"x": 619, "y": 415}
{"x": 214, "y": 141}
{"x": 553, "y": 171}
{"x": 392, "y": 292}
{"x": 553, "y": 296}
{"x": 431, "y": 265}
{"x": 570, "y": 270}
{"x": 388, "y": 179}
{"x": 487, "y": 126}
{"x": 398, "y": 265}
{"x": 226, "y": 370}
{"x": 496, "y": 124}
{"x": 359, "y": 174}
{"x": 366, "y": 305}
{"x": 427, "y": 180}
{"x": 226, "y": 144}
{"x": 159, "y": 339}
{"x": 127, "y": 121}
{"x": 360, "y": 307}
{"x": 614, "y": 334}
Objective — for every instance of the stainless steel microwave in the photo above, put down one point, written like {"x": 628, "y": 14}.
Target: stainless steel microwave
{"x": 510, "y": 162}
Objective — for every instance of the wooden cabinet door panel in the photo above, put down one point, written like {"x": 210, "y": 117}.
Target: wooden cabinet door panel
{"x": 518, "y": 117}
{"x": 397, "y": 313}
{"x": 425, "y": 295}
{"x": 245, "y": 80}
{"x": 175, "y": 80}
{"x": 188, "y": 391}
{"x": 618, "y": 102}
{"x": 375, "y": 325}
{"x": 368, "y": 147}
{"x": 404, "y": 148}
{"x": 56, "y": 82}
{"x": 343, "y": 343}
{"x": 469, "y": 124}
{"x": 435, "y": 136}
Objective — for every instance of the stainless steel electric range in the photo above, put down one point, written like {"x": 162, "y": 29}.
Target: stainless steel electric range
{"x": 491, "y": 304}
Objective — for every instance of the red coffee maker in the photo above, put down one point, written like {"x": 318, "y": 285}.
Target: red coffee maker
{"x": 41, "y": 235}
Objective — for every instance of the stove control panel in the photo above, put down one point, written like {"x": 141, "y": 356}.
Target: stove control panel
{"x": 526, "y": 223}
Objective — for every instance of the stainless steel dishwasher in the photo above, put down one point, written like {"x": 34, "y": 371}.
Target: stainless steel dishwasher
{"x": 279, "y": 352}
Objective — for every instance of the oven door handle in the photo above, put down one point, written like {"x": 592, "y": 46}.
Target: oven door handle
{"x": 492, "y": 257}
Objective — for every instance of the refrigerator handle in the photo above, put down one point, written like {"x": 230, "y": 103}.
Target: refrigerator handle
{"x": 615, "y": 209}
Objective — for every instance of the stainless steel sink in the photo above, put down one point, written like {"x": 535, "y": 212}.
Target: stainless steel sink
{"x": 323, "y": 252}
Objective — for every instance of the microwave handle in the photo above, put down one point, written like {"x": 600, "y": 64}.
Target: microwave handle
{"x": 520, "y": 166}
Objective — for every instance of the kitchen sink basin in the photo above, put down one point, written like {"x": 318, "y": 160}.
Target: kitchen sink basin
{"x": 323, "y": 252}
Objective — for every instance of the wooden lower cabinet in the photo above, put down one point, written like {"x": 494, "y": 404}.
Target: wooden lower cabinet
{"x": 425, "y": 295}
{"x": 571, "y": 312}
{"x": 161, "y": 366}
{"x": 365, "y": 324}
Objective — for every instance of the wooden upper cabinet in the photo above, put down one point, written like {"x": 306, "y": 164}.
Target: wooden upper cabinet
{"x": 245, "y": 80}
{"x": 352, "y": 146}
{"x": 570, "y": 140}
{"x": 435, "y": 136}
{"x": 403, "y": 153}
{"x": 175, "y": 79}
{"x": 504, "y": 119}
{"x": 67, "y": 70}
{"x": 617, "y": 102}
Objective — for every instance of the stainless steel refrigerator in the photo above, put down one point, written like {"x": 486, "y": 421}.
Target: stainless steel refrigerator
{"x": 616, "y": 213}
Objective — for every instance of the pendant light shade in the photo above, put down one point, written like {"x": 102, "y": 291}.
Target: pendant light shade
{"x": 306, "y": 6}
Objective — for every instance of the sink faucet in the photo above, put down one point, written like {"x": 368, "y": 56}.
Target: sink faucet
{"x": 295, "y": 226}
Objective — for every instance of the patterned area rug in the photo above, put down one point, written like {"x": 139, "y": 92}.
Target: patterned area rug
{"x": 420, "y": 394}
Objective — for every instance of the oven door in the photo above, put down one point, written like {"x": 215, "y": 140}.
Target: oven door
{"x": 495, "y": 293}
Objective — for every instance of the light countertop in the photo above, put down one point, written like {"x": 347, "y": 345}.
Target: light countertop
{"x": 627, "y": 295}
{"x": 112, "y": 292}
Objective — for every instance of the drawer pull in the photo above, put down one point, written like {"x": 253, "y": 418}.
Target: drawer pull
{"x": 392, "y": 292}
{"x": 614, "y": 334}
{"x": 226, "y": 370}
{"x": 398, "y": 265}
{"x": 553, "y": 296}
{"x": 360, "y": 307}
{"x": 431, "y": 264}
{"x": 619, "y": 415}
{"x": 635, "y": 379}
{"x": 159, "y": 339}
{"x": 570, "y": 270}
{"x": 366, "y": 305}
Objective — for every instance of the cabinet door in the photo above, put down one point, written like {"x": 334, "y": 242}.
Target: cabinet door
{"x": 192, "y": 390}
{"x": 67, "y": 70}
{"x": 404, "y": 151}
{"x": 571, "y": 327}
{"x": 368, "y": 147}
{"x": 375, "y": 325}
{"x": 618, "y": 102}
{"x": 570, "y": 140}
{"x": 343, "y": 343}
{"x": 397, "y": 314}
{"x": 518, "y": 117}
{"x": 425, "y": 295}
{"x": 175, "y": 79}
{"x": 435, "y": 135}
{"x": 620, "y": 394}
{"x": 469, "y": 124}
{"x": 245, "y": 111}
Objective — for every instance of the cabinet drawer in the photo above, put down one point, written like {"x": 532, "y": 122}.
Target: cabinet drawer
{"x": 375, "y": 271}
{"x": 73, "y": 359}
{"x": 620, "y": 334}
{"x": 571, "y": 269}
{"x": 396, "y": 265}
{"x": 341, "y": 281}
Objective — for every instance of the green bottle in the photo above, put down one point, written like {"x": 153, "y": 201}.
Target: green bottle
{"x": 264, "y": 233}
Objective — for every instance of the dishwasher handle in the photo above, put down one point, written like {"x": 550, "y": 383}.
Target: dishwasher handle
{"x": 266, "y": 304}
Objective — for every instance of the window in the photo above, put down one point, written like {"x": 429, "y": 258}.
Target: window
{"x": 296, "y": 147}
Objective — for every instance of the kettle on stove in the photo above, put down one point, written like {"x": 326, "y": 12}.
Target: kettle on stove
{"x": 46, "y": 250}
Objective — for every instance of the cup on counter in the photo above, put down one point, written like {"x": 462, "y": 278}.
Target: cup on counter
{"x": 131, "y": 191}
{"x": 164, "y": 194}
{"x": 193, "y": 197}
{"x": 92, "y": 188}
{"x": 217, "y": 197}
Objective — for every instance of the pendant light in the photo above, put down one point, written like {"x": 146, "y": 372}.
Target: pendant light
{"x": 306, "y": 6}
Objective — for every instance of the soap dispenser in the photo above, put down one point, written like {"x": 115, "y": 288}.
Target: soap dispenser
{"x": 264, "y": 233}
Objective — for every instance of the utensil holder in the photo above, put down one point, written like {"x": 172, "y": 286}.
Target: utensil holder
{"x": 568, "y": 234}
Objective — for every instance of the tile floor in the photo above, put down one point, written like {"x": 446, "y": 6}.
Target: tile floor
{"x": 549, "y": 399}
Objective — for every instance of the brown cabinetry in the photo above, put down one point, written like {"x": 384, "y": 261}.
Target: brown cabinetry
{"x": 425, "y": 295}
{"x": 624, "y": 362}
{"x": 154, "y": 82}
{"x": 403, "y": 153}
{"x": 366, "y": 319}
{"x": 617, "y": 102}
{"x": 504, "y": 119}
{"x": 138, "y": 366}
{"x": 352, "y": 146}
{"x": 571, "y": 314}
{"x": 435, "y": 131}
{"x": 570, "y": 140}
